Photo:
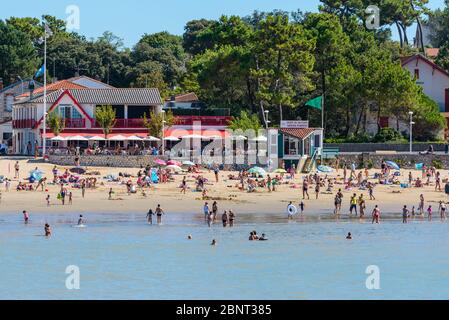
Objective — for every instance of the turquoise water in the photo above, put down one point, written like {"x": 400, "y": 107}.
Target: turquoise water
{"x": 121, "y": 257}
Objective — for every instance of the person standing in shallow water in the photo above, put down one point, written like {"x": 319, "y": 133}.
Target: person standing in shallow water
{"x": 150, "y": 215}
{"x": 215, "y": 210}
{"x": 376, "y": 215}
{"x": 231, "y": 218}
{"x": 26, "y": 216}
{"x": 224, "y": 219}
{"x": 421, "y": 204}
{"x": 405, "y": 214}
{"x": 159, "y": 212}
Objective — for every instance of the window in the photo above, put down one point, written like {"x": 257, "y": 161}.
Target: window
{"x": 291, "y": 146}
{"x": 69, "y": 112}
{"x": 416, "y": 74}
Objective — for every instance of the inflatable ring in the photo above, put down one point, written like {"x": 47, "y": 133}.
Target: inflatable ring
{"x": 292, "y": 210}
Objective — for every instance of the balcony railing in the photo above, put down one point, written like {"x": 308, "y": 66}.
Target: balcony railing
{"x": 180, "y": 120}
{"x": 75, "y": 123}
{"x": 205, "y": 120}
{"x": 124, "y": 123}
{"x": 23, "y": 124}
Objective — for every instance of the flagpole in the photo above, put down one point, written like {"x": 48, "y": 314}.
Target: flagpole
{"x": 44, "y": 144}
{"x": 322, "y": 113}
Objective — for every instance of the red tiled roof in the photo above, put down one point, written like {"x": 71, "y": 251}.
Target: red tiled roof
{"x": 298, "y": 133}
{"x": 432, "y": 52}
{"x": 63, "y": 84}
{"x": 407, "y": 60}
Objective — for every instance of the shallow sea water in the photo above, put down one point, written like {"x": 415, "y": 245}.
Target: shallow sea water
{"x": 121, "y": 257}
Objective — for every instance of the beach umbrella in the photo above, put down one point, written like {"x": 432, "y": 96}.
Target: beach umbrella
{"x": 393, "y": 165}
{"x": 150, "y": 138}
{"x": 134, "y": 138}
{"x": 258, "y": 170}
{"x": 174, "y": 168}
{"x": 58, "y": 138}
{"x": 280, "y": 170}
{"x": 188, "y": 163}
{"x": 171, "y": 138}
{"x": 77, "y": 138}
{"x": 118, "y": 138}
{"x": 325, "y": 169}
{"x": 174, "y": 163}
{"x": 160, "y": 162}
{"x": 97, "y": 138}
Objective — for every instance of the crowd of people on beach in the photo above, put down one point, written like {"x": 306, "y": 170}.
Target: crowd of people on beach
{"x": 251, "y": 182}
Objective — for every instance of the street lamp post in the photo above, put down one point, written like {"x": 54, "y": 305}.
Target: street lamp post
{"x": 267, "y": 122}
{"x": 163, "y": 132}
{"x": 411, "y": 131}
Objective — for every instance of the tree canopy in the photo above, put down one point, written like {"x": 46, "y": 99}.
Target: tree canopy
{"x": 266, "y": 61}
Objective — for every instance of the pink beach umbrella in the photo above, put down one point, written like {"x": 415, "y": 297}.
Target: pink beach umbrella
{"x": 174, "y": 163}
{"x": 160, "y": 162}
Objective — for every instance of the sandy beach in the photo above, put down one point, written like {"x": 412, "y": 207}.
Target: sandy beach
{"x": 247, "y": 206}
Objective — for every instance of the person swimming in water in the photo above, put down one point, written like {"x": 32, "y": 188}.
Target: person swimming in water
{"x": 263, "y": 237}
{"x": 80, "y": 220}
{"x": 349, "y": 236}
{"x": 214, "y": 242}
{"x": 47, "y": 230}
{"x": 189, "y": 237}
{"x": 253, "y": 236}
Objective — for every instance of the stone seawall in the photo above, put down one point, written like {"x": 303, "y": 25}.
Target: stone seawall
{"x": 406, "y": 161}
{"x": 373, "y": 147}
{"x": 133, "y": 161}
{"x": 105, "y": 161}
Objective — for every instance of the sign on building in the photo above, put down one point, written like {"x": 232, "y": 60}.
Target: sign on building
{"x": 294, "y": 124}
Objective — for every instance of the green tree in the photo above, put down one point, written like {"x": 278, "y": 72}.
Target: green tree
{"x": 106, "y": 118}
{"x": 246, "y": 122}
{"x": 443, "y": 57}
{"x": 17, "y": 54}
{"x": 284, "y": 63}
{"x": 165, "y": 49}
{"x": 155, "y": 123}
{"x": 55, "y": 122}
{"x": 438, "y": 24}
{"x": 196, "y": 37}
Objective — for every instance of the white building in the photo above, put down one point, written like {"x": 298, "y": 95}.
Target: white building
{"x": 432, "y": 78}
{"x": 77, "y": 107}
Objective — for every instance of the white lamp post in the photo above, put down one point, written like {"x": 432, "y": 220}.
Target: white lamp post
{"x": 268, "y": 137}
{"x": 163, "y": 132}
{"x": 411, "y": 131}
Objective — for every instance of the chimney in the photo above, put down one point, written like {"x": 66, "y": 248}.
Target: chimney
{"x": 1, "y": 83}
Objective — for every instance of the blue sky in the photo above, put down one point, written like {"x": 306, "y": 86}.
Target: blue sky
{"x": 130, "y": 19}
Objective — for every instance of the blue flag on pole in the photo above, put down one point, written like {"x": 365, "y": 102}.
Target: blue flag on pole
{"x": 40, "y": 72}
